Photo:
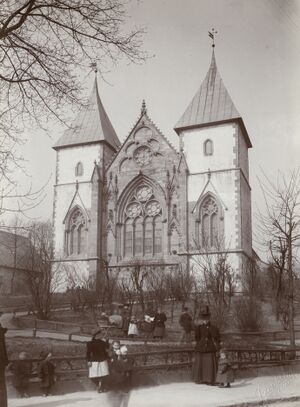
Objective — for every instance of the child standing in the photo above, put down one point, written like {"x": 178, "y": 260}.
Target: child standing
{"x": 46, "y": 373}
{"x": 133, "y": 327}
{"x": 21, "y": 370}
{"x": 225, "y": 375}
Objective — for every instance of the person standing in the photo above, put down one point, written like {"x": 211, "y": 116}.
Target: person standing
{"x": 125, "y": 319}
{"x": 121, "y": 365}
{"x": 159, "y": 324}
{"x": 225, "y": 375}
{"x": 97, "y": 358}
{"x": 186, "y": 321}
{"x": 46, "y": 373}
{"x": 133, "y": 330}
{"x": 3, "y": 364}
{"x": 21, "y": 370}
{"x": 207, "y": 344}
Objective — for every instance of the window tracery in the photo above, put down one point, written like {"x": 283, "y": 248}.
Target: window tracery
{"x": 143, "y": 223}
{"x": 210, "y": 223}
{"x": 75, "y": 233}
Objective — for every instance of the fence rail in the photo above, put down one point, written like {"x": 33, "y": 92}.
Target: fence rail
{"x": 67, "y": 367}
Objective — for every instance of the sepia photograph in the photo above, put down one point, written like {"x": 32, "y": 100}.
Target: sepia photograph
{"x": 149, "y": 203}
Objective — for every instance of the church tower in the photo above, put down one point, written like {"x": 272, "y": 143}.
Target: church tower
{"x": 215, "y": 143}
{"x": 82, "y": 153}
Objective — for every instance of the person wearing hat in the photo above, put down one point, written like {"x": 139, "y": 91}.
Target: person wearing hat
{"x": 207, "y": 344}
{"x": 97, "y": 358}
{"x": 186, "y": 322}
{"x": 3, "y": 364}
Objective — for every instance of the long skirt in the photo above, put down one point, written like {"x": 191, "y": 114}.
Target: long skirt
{"x": 98, "y": 369}
{"x": 159, "y": 331}
{"x": 204, "y": 368}
{"x": 133, "y": 329}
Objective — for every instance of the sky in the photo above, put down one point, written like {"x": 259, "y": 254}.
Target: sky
{"x": 258, "y": 56}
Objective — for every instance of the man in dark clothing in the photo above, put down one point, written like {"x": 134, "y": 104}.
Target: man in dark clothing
{"x": 185, "y": 321}
{"x": 3, "y": 364}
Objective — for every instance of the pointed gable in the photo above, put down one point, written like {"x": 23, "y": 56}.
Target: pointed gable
{"x": 145, "y": 139}
{"x": 90, "y": 126}
{"x": 211, "y": 104}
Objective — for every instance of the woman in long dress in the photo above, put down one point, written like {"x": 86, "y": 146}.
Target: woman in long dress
{"x": 97, "y": 358}
{"x": 207, "y": 343}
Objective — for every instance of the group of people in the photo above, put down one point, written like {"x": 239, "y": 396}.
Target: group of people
{"x": 110, "y": 368}
{"x": 21, "y": 370}
{"x": 153, "y": 323}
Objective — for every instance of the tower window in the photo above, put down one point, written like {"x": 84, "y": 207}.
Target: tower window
{"x": 211, "y": 228}
{"x": 75, "y": 235}
{"x": 208, "y": 147}
{"x": 79, "y": 169}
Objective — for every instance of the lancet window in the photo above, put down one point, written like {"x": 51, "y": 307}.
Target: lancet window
{"x": 142, "y": 233}
{"x": 75, "y": 239}
{"x": 210, "y": 231}
{"x": 79, "y": 169}
{"x": 208, "y": 147}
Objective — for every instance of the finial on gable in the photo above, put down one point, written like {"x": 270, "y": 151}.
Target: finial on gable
{"x": 77, "y": 185}
{"x": 209, "y": 174}
{"x": 144, "y": 108}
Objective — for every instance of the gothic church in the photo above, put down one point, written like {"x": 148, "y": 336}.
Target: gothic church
{"x": 143, "y": 201}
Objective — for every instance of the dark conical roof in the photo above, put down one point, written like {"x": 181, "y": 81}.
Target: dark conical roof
{"x": 211, "y": 104}
{"x": 91, "y": 125}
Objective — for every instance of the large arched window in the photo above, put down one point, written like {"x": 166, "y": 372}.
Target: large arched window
{"x": 208, "y": 147}
{"x": 210, "y": 223}
{"x": 143, "y": 229}
{"x": 75, "y": 234}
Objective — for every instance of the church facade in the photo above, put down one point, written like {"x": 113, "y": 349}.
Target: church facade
{"x": 143, "y": 202}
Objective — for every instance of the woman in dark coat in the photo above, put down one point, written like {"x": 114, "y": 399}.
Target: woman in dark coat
{"x": 207, "y": 343}
{"x": 159, "y": 324}
{"x": 97, "y": 358}
{"x": 21, "y": 370}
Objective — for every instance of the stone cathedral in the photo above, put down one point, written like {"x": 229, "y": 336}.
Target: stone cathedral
{"x": 141, "y": 201}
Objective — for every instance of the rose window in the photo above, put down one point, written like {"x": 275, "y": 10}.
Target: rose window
{"x": 77, "y": 218}
{"x": 152, "y": 208}
{"x": 210, "y": 206}
{"x": 144, "y": 193}
{"x": 142, "y": 155}
{"x": 133, "y": 209}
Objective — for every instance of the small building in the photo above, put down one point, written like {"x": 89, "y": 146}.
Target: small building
{"x": 14, "y": 253}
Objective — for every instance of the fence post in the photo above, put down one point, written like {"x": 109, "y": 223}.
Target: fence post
{"x": 34, "y": 333}
{"x": 70, "y": 336}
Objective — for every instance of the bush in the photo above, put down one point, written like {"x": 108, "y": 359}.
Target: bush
{"x": 248, "y": 314}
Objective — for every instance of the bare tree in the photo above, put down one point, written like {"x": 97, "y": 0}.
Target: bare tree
{"x": 45, "y": 45}
{"x": 157, "y": 287}
{"x": 280, "y": 232}
{"x": 215, "y": 279}
{"x": 43, "y": 282}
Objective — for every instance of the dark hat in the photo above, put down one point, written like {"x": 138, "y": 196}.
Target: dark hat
{"x": 204, "y": 312}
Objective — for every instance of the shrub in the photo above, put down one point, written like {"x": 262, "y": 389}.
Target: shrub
{"x": 248, "y": 314}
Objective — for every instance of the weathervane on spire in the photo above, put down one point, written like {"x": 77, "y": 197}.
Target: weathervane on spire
{"x": 212, "y": 34}
{"x": 94, "y": 67}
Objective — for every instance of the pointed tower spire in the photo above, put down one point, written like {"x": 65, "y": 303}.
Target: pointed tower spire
{"x": 211, "y": 104}
{"x": 91, "y": 125}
